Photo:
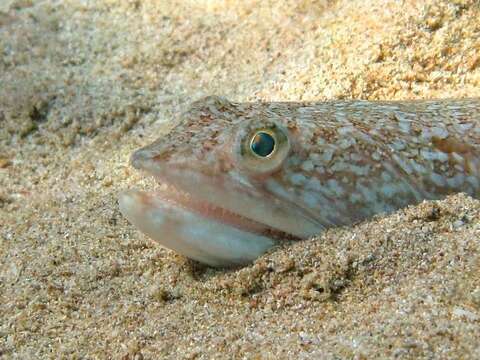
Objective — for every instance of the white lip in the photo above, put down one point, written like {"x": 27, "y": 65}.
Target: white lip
{"x": 189, "y": 233}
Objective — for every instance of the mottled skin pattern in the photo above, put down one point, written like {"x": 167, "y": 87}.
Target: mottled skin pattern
{"x": 335, "y": 163}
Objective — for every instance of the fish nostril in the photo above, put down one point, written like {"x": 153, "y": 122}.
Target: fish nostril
{"x": 148, "y": 156}
{"x": 139, "y": 157}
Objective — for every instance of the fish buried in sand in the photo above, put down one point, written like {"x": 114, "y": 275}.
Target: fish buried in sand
{"x": 236, "y": 178}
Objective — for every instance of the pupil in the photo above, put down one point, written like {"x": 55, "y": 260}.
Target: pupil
{"x": 262, "y": 144}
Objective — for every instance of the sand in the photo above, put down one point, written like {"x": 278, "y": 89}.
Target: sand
{"x": 84, "y": 83}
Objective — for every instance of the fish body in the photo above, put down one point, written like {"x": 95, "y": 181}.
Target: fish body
{"x": 236, "y": 178}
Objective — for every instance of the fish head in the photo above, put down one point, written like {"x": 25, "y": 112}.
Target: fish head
{"x": 224, "y": 196}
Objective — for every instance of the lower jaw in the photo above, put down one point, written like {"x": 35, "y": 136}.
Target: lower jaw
{"x": 196, "y": 234}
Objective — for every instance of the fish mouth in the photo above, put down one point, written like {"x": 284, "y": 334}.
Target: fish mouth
{"x": 202, "y": 238}
{"x": 198, "y": 229}
{"x": 210, "y": 218}
{"x": 171, "y": 196}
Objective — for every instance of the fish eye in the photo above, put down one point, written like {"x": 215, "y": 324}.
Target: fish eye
{"x": 263, "y": 144}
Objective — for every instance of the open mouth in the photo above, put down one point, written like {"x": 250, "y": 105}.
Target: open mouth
{"x": 197, "y": 228}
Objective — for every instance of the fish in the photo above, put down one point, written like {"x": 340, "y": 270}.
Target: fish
{"x": 236, "y": 179}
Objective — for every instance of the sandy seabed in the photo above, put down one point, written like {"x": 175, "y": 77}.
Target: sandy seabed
{"x": 84, "y": 83}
